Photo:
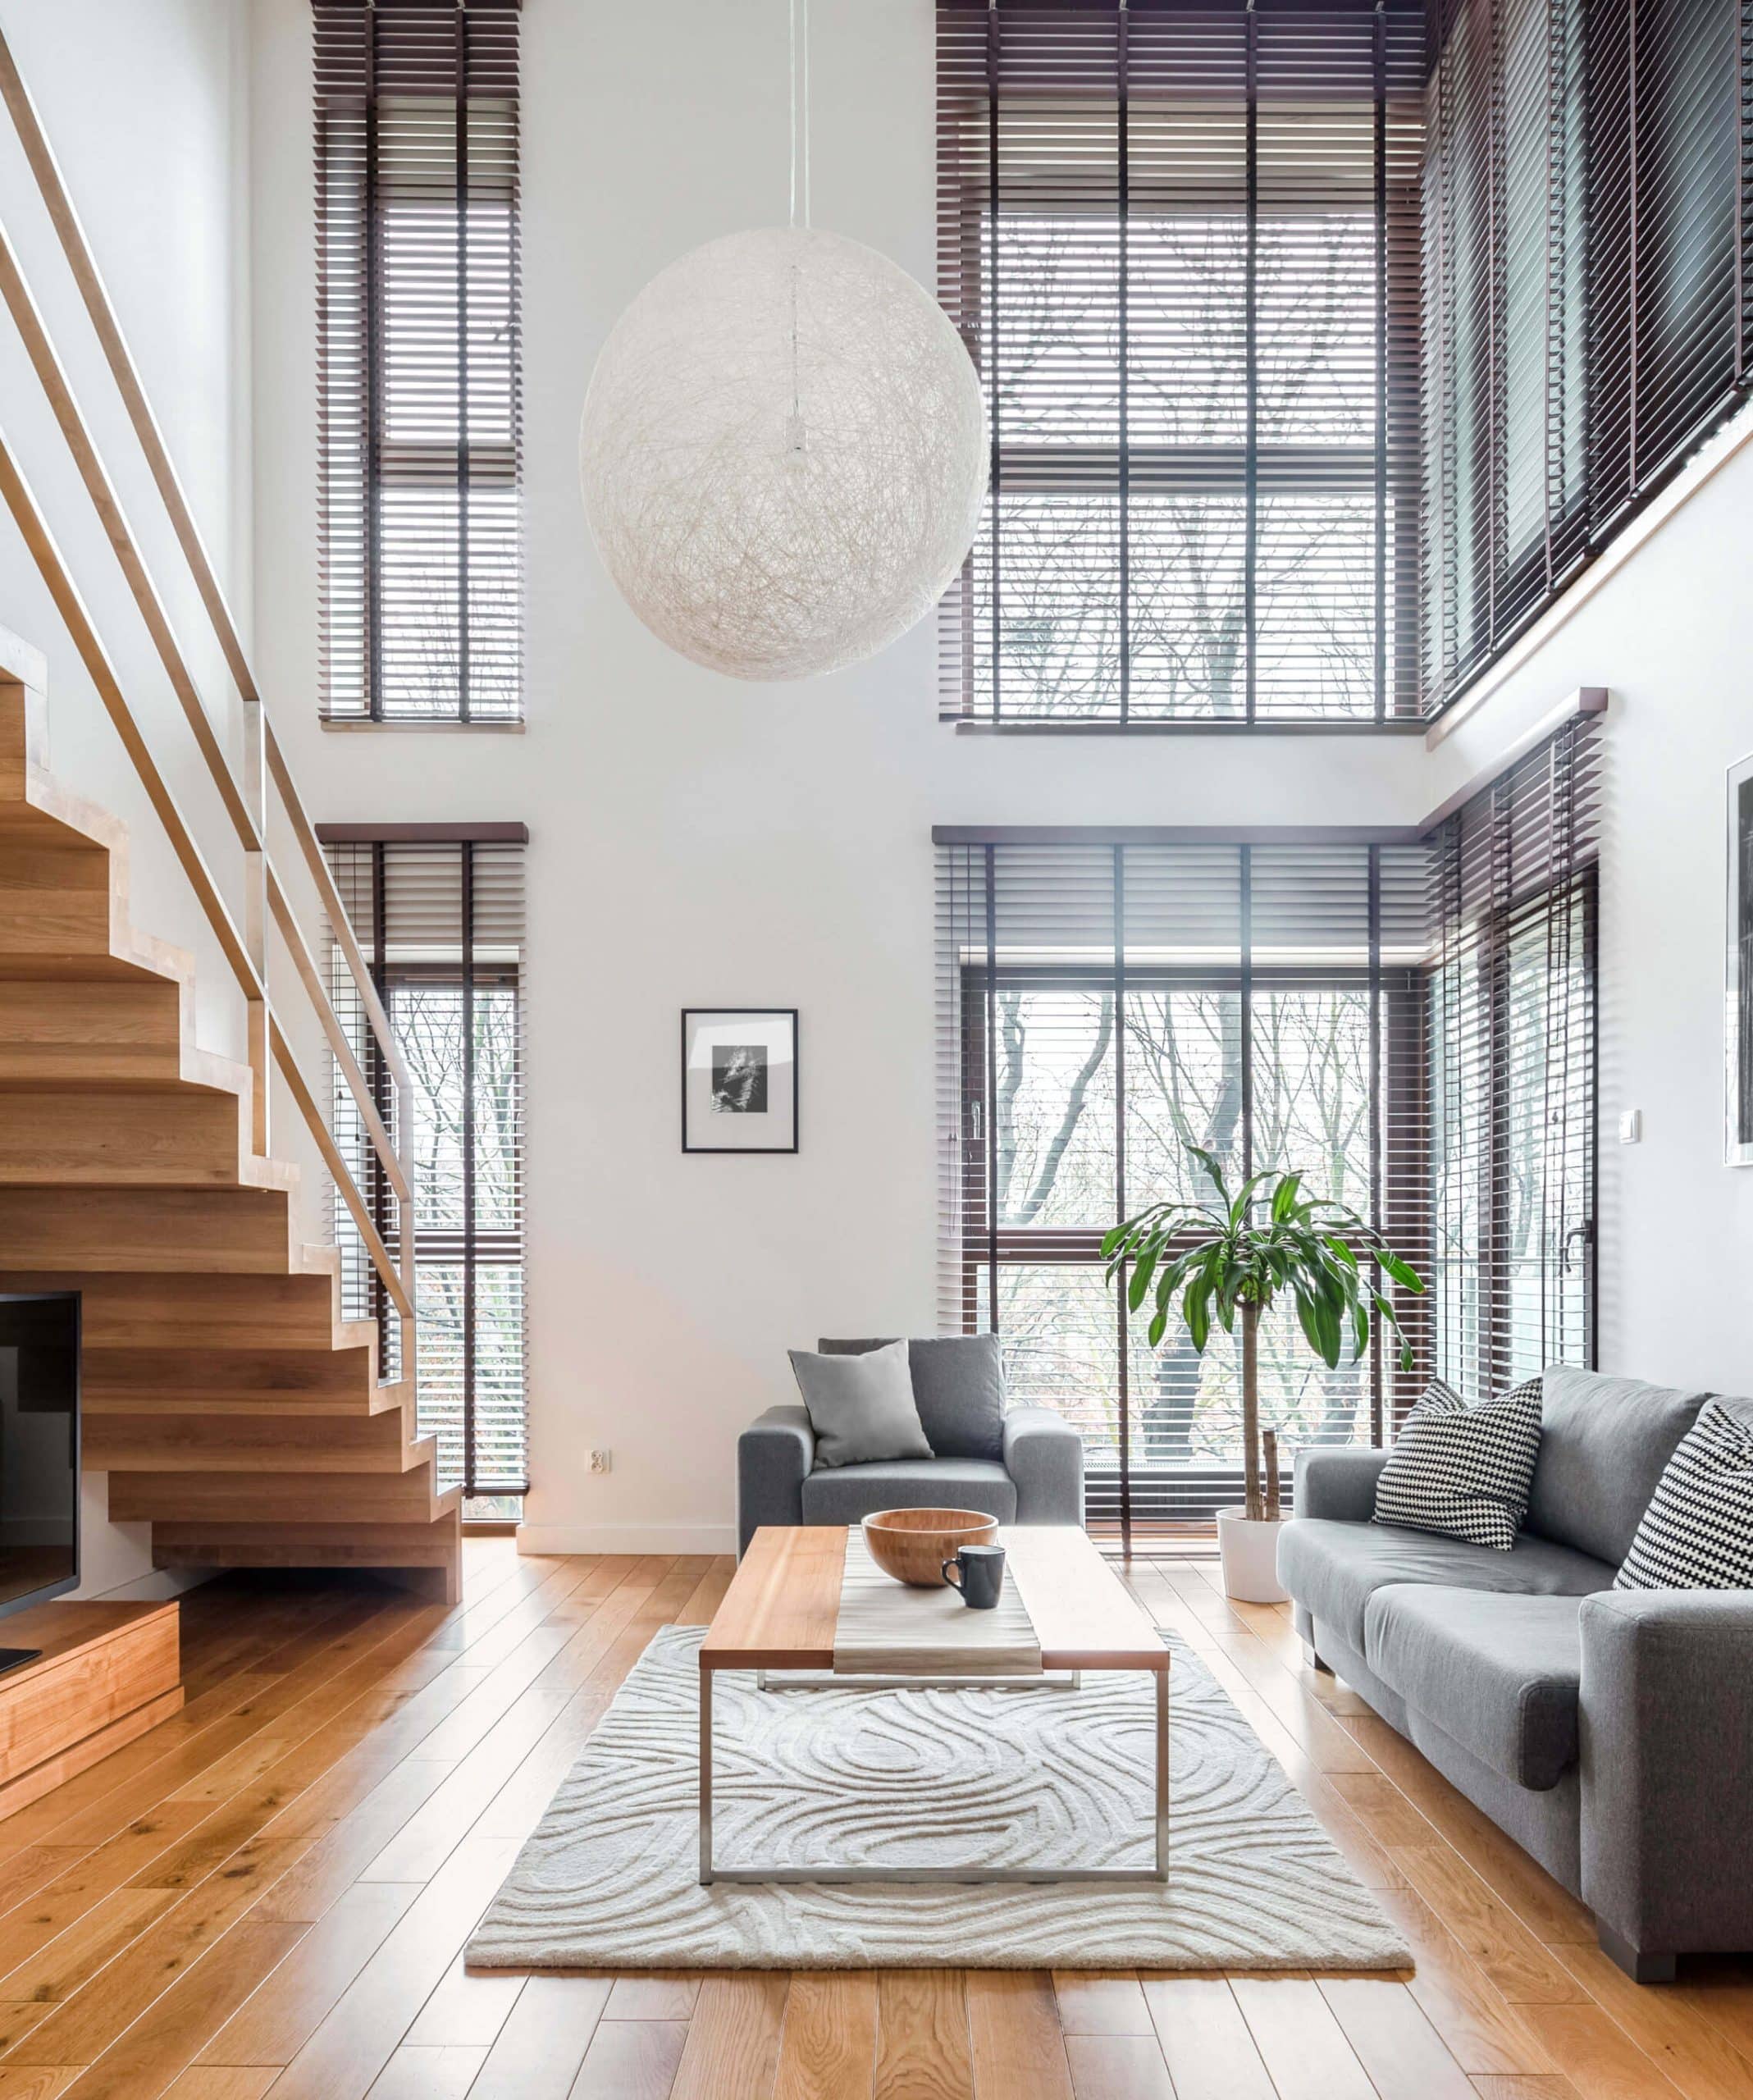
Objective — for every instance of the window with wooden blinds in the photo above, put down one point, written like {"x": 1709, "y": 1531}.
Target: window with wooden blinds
{"x": 418, "y": 360}
{"x": 1411, "y": 1024}
{"x": 1586, "y": 279}
{"x": 1511, "y": 1072}
{"x": 1103, "y": 1005}
{"x": 440, "y": 920}
{"x": 1182, "y": 244}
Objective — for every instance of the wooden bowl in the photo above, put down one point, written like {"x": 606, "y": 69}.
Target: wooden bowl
{"x": 912, "y": 1544}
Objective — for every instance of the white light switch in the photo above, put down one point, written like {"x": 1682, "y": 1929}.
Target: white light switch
{"x": 1630, "y": 1126}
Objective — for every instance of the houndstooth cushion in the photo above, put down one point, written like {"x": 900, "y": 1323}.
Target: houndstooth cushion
{"x": 1697, "y": 1533}
{"x": 1463, "y": 1470}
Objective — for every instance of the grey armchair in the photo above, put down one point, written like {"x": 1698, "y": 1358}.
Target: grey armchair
{"x": 1038, "y": 1480}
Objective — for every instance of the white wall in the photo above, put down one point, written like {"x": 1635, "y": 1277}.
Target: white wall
{"x": 1671, "y": 635}
{"x": 694, "y": 840}
{"x": 146, "y": 106}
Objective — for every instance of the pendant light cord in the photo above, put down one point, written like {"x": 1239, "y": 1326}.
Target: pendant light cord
{"x": 799, "y": 56}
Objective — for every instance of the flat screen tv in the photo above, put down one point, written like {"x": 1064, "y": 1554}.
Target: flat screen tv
{"x": 38, "y": 1450}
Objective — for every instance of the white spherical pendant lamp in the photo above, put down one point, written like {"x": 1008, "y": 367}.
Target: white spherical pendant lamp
{"x": 783, "y": 453}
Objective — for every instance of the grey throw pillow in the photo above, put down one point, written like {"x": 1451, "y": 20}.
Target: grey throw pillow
{"x": 861, "y": 1407}
{"x": 958, "y": 1385}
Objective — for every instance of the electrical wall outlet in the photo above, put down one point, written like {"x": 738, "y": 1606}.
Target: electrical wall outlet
{"x": 600, "y": 1461}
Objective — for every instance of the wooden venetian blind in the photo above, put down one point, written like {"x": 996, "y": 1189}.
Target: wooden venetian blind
{"x": 1510, "y": 1075}
{"x": 440, "y": 921}
{"x": 418, "y": 365}
{"x": 1104, "y": 1003}
{"x": 1586, "y": 278}
{"x": 1181, "y": 239}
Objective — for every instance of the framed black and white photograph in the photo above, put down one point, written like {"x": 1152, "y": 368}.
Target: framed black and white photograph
{"x": 739, "y": 1079}
{"x": 1739, "y": 1001}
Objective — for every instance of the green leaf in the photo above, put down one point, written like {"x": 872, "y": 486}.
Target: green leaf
{"x": 1406, "y": 1277}
{"x": 1338, "y": 1248}
{"x": 1196, "y": 1312}
{"x": 1141, "y": 1276}
{"x": 1209, "y": 1161}
{"x": 1283, "y": 1196}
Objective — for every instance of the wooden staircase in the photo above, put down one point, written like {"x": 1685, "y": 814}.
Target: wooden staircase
{"x": 234, "y": 1408}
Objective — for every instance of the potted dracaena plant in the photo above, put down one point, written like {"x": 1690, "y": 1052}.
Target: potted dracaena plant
{"x": 1229, "y": 1259}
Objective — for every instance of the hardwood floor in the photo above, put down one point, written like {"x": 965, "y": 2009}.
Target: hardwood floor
{"x": 269, "y": 1894}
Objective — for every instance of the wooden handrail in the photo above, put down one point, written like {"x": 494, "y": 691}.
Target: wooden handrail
{"x": 82, "y": 263}
{"x": 16, "y": 492}
{"x": 264, "y": 760}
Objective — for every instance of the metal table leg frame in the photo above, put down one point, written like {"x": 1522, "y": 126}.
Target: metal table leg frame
{"x": 1156, "y": 1873}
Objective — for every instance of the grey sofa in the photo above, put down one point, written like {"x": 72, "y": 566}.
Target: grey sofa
{"x": 1022, "y": 1465}
{"x": 1609, "y": 1732}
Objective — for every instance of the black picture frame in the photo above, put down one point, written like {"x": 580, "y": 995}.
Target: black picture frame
{"x": 739, "y": 1080}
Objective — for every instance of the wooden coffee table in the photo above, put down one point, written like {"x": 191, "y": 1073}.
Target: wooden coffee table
{"x": 779, "y": 1613}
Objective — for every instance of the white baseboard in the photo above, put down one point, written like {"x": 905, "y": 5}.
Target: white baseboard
{"x": 627, "y": 1538}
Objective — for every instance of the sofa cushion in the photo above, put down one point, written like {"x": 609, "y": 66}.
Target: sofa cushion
{"x": 958, "y": 1386}
{"x": 846, "y": 1495}
{"x": 1697, "y": 1533}
{"x": 1604, "y": 1443}
{"x": 861, "y": 1408}
{"x": 1499, "y": 1673}
{"x": 1333, "y": 1568}
{"x": 1462, "y": 1470}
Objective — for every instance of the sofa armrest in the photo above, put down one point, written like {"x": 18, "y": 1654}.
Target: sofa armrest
{"x": 1044, "y": 1454}
{"x": 774, "y": 1455}
{"x": 1666, "y": 1725}
{"x": 1338, "y": 1481}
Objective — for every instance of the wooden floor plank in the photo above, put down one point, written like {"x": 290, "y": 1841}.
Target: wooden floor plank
{"x": 828, "y": 2045}
{"x": 358, "y": 2037}
{"x": 1100, "y": 2002}
{"x": 1117, "y": 2067}
{"x": 632, "y": 2059}
{"x": 428, "y": 2075}
{"x": 1695, "y": 2053}
{"x": 1392, "y": 2037}
{"x": 1014, "y": 2044}
{"x": 1208, "y": 2047}
{"x": 733, "y": 2048}
{"x": 276, "y": 2021}
{"x": 1303, "y": 2046}
{"x": 653, "y": 1994}
{"x": 539, "y": 2049}
{"x": 922, "y": 2036}
{"x": 146, "y": 2057}
{"x": 220, "y": 2083}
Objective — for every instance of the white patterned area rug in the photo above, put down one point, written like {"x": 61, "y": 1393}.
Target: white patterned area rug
{"x": 1043, "y": 1775}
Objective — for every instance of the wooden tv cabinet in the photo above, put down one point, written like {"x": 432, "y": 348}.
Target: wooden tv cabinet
{"x": 108, "y": 1672}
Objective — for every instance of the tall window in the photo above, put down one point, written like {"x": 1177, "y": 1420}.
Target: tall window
{"x": 1182, "y": 244}
{"x": 1511, "y": 1071}
{"x": 440, "y": 920}
{"x": 1105, "y": 1005}
{"x": 418, "y": 360}
{"x": 1411, "y": 1025}
{"x": 1585, "y": 273}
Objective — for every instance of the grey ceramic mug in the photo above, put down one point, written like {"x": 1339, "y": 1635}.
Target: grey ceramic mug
{"x": 979, "y": 1575}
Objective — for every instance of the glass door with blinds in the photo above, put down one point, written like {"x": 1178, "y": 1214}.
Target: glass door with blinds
{"x": 441, "y": 922}
{"x": 1107, "y": 1005}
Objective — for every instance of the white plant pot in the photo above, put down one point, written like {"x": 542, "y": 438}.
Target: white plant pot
{"x": 1249, "y": 1551}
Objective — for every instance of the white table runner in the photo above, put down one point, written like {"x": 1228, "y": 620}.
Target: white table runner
{"x": 890, "y": 1629}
